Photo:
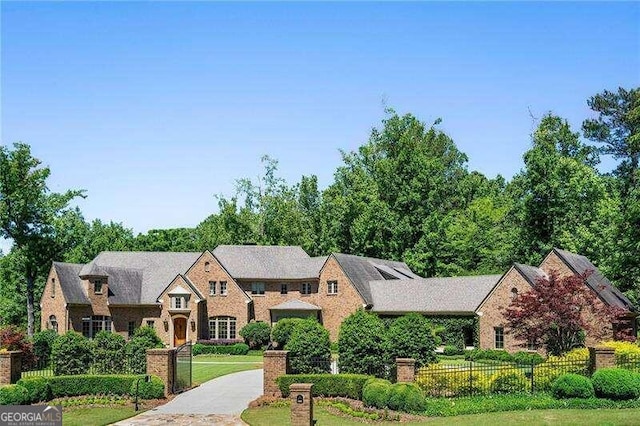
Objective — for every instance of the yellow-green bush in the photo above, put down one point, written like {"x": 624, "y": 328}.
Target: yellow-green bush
{"x": 437, "y": 380}
{"x": 623, "y": 350}
{"x": 575, "y": 361}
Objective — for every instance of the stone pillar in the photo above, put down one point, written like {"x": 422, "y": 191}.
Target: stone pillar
{"x": 601, "y": 357}
{"x": 301, "y": 404}
{"x": 161, "y": 363}
{"x": 406, "y": 370}
{"x": 10, "y": 367}
{"x": 276, "y": 364}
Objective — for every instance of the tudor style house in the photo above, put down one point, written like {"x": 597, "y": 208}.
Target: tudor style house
{"x": 212, "y": 295}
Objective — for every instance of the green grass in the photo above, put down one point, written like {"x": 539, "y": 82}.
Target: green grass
{"x": 281, "y": 416}
{"x": 207, "y": 367}
{"x": 96, "y": 416}
{"x": 227, "y": 358}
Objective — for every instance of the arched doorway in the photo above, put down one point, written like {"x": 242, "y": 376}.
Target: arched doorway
{"x": 179, "y": 331}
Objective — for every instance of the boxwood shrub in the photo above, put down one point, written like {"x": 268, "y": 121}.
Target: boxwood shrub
{"x": 508, "y": 381}
{"x": 37, "y": 387}
{"x": 407, "y": 397}
{"x": 616, "y": 383}
{"x": 13, "y": 395}
{"x": 153, "y": 389}
{"x": 572, "y": 386}
{"x": 345, "y": 385}
{"x": 376, "y": 392}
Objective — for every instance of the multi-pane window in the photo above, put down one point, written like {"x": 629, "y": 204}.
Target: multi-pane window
{"x": 306, "y": 288}
{"x": 53, "y": 323}
{"x": 222, "y": 328}
{"x": 95, "y": 324}
{"x": 223, "y": 288}
{"x": 257, "y": 288}
{"x": 499, "y": 337}
{"x": 178, "y": 302}
{"x": 151, "y": 323}
{"x": 284, "y": 289}
{"x": 332, "y": 287}
{"x": 97, "y": 286}
{"x": 212, "y": 288}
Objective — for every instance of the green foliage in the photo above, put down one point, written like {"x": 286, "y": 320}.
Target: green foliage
{"x": 362, "y": 343}
{"x": 406, "y": 397}
{"x": 509, "y": 381}
{"x": 451, "y": 329}
{"x": 37, "y": 387}
{"x": 281, "y": 332}
{"x": 71, "y": 354}
{"x": 153, "y": 389}
{"x": 489, "y": 354}
{"x": 256, "y": 334}
{"x": 13, "y": 395}
{"x": 451, "y": 350}
{"x": 90, "y": 384}
{"x": 235, "y": 349}
{"x": 136, "y": 349}
{"x": 410, "y": 336}
{"x": 572, "y": 386}
{"x": 527, "y": 358}
{"x": 42, "y": 345}
{"x": 108, "y": 353}
{"x": 376, "y": 392}
{"x": 13, "y": 339}
{"x": 329, "y": 385}
{"x": 616, "y": 383}
{"x": 309, "y": 348}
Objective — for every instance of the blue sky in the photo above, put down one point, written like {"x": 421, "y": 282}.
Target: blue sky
{"x": 155, "y": 107}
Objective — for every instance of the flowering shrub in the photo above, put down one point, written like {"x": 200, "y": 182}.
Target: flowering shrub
{"x": 623, "y": 350}
{"x": 436, "y": 380}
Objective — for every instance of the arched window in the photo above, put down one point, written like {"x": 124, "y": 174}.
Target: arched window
{"x": 53, "y": 323}
{"x": 222, "y": 328}
{"x": 514, "y": 293}
{"x": 207, "y": 266}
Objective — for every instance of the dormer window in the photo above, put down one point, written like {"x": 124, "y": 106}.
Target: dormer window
{"x": 257, "y": 288}
{"x": 178, "y": 302}
{"x": 97, "y": 286}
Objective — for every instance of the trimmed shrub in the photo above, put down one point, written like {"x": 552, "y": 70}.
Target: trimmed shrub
{"x": 508, "y": 381}
{"x": 108, "y": 353}
{"x": 37, "y": 387}
{"x": 281, "y": 332}
{"x": 136, "y": 349}
{"x": 376, "y": 392}
{"x": 256, "y": 334}
{"x": 42, "y": 345}
{"x": 452, "y": 350}
{"x": 406, "y": 397}
{"x": 235, "y": 349}
{"x": 14, "y": 339}
{"x": 411, "y": 336}
{"x": 616, "y": 383}
{"x": 362, "y": 344}
{"x": 329, "y": 385}
{"x": 571, "y": 385}
{"x": 575, "y": 361}
{"x": 13, "y": 395}
{"x": 309, "y": 348}
{"x": 488, "y": 354}
{"x": 71, "y": 354}
{"x": 154, "y": 389}
{"x": 527, "y": 358}
{"x": 89, "y": 384}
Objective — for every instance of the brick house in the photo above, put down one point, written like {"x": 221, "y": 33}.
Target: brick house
{"x": 212, "y": 295}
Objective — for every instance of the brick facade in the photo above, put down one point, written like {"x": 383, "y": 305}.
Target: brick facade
{"x": 275, "y": 364}
{"x": 53, "y": 303}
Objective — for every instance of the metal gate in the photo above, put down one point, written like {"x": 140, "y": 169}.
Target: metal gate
{"x": 182, "y": 368}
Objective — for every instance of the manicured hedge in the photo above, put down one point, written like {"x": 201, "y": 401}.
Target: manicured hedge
{"x": 13, "y": 395}
{"x": 407, "y": 397}
{"x": 37, "y": 387}
{"x": 376, "y": 392}
{"x": 572, "y": 386}
{"x": 98, "y": 385}
{"x": 235, "y": 349}
{"x": 616, "y": 383}
{"x": 345, "y": 385}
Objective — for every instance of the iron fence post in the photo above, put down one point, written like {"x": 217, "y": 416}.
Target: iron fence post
{"x": 470, "y": 377}
{"x": 532, "y": 376}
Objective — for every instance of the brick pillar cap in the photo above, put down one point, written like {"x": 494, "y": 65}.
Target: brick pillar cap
{"x": 300, "y": 387}
{"x": 604, "y": 349}
{"x": 160, "y": 351}
{"x": 275, "y": 353}
{"x": 405, "y": 360}
{"x": 9, "y": 353}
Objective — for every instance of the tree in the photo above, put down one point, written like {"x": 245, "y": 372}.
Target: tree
{"x": 363, "y": 344}
{"x": 554, "y": 311}
{"x": 309, "y": 348}
{"x": 411, "y": 336}
{"x": 27, "y": 213}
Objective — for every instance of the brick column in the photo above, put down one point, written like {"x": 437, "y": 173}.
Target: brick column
{"x": 10, "y": 367}
{"x": 406, "y": 370}
{"x": 301, "y": 404}
{"x": 160, "y": 362}
{"x": 276, "y": 364}
{"x": 601, "y": 357}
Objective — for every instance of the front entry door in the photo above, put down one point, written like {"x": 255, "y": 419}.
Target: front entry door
{"x": 179, "y": 331}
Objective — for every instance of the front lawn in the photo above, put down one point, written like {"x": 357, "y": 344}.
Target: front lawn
{"x": 281, "y": 416}
{"x": 96, "y": 416}
{"x": 207, "y": 367}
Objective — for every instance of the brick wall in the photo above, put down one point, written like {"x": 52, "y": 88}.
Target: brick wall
{"x": 275, "y": 364}
{"x": 160, "y": 362}
{"x": 10, "y": 367}
{"x": 52, "y": 302}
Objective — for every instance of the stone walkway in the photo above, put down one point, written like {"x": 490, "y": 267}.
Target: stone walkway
{"x": 217, "y": 402}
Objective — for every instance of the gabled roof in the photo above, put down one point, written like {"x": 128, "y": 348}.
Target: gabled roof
{"x": 139, "y": 277}
{"x": 450, "y": 295}
{"x": 295, "y": 305}
{"x": 70, "y": 283}
{"x": 362, "y": 270}
{"x": 531, "y": 273}
{"x": 268, "y": 262}
{"x": 607, "y": 292}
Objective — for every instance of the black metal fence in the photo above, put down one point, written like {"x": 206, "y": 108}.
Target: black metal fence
{"x": 126, "y": 365}
{"x": 478, "y": 378}
{"x": 628, "y": 361}
{"x": 303, "y": 365}
{"x": 183, "y": 369}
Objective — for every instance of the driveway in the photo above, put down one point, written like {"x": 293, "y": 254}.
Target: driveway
{"x": 219, "y": 401}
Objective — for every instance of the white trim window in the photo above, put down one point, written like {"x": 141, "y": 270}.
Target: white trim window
{"x": 97, "y": 286}
{"x": 222, "y": 328}
{"x": 305, "y": 288}
{"x": 95, "y": 324}
{"x": 257, "y": 289}
{"x": 332, "y": 287}
{"x": 223, "y": 288}
{"x": 212, "y": 288}
{"x": 179, "y": 302}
